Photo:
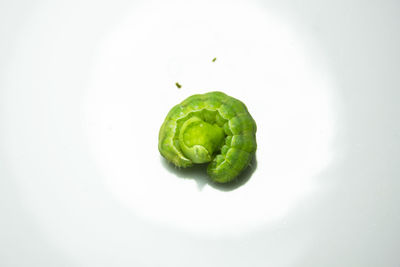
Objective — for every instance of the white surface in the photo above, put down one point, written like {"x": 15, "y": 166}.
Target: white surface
{"x": 85, "y": 86}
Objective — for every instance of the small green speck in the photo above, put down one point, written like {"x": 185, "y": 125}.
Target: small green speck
{"x": 214, "y": 59}
{"x": 178, "y": 85}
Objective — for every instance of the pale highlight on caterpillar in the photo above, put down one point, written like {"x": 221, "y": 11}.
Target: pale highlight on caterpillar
{"x": 211, "y": 127}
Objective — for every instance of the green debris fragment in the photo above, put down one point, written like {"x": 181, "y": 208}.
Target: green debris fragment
{"x": 178, "y": 85}
{"x": 214, "y": 59}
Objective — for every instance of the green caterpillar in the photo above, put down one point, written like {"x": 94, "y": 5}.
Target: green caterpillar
{"x": 211, "y": 127}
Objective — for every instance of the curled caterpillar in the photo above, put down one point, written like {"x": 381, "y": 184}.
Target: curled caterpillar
{"x": 211, "y": 127}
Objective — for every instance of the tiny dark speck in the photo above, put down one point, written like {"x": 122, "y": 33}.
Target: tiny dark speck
{"x": 178, "y": 85}
{"x": 214, "y": 59}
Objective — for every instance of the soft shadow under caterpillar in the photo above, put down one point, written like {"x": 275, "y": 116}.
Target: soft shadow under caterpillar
{"x": 211, "y": 127}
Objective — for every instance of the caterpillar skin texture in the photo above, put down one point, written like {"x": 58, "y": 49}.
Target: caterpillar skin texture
{"x": 211, "y": 127}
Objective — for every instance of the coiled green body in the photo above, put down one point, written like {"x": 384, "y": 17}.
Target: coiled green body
{"x": 211, "y": 127}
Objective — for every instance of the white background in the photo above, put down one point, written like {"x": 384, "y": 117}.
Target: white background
{"x": 85, "y": 86}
